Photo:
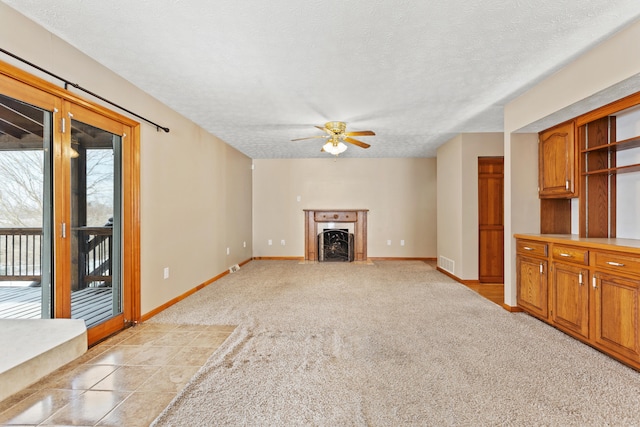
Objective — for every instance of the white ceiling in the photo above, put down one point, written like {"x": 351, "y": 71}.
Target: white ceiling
{"x": 258, "y": 73}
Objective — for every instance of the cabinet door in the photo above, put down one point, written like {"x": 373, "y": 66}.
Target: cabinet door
{"x": 616, "y": 314}
{"x": 557, "y": 167}
{"x": 570, "y": 298}
{"x": 532, "y": 285}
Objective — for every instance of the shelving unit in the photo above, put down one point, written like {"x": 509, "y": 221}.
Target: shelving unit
{"x": 610, "y": 149}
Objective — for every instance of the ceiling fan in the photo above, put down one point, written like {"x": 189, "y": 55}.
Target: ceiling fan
{"x": 336, "y": 134}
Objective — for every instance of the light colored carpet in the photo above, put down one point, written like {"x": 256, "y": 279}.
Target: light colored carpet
{"x": 395, "y": 343}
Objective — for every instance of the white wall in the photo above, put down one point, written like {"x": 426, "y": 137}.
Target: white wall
{"x": 399, "y": 193}
{"x": 613, "y": 61}
{"x": 458, "y": 198}
{"x": 195, "y": 189}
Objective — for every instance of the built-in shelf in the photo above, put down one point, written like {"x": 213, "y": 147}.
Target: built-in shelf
{"x": 625, "y": 144}
{"x": 616, "y": 170}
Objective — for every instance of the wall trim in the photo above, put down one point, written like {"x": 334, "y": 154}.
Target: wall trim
{"x": 401, "y": 259}
{"x": 278, "y": 258}
{"x": 179, "y": 298}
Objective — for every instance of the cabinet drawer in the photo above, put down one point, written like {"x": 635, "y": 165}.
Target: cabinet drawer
{"x": 530, "y": 247}
{"x": 623, "y": 263}
{"x": 338, "y": 216}
{"x": 570, "y": 254}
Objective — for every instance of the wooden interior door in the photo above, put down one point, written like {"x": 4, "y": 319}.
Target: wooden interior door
{"x": 491, "y": 219}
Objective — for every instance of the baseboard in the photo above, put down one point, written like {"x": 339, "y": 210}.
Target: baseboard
{"x": 446, "y": 273}
{"x": 279, "y": 258}
{"x": 400, "y": 259}
{"x": 179, "y": 298}
{"x": 512, "y": 309}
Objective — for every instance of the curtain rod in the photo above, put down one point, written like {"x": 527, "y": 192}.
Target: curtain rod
{"x": 77, "y": 86}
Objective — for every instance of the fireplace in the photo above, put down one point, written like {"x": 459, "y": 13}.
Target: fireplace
{"x": 335, "y": 245}
{"x": 353, "y": 222}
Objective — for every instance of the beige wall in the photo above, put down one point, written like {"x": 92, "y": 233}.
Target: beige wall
{"x": 195, "y": 189}
{"x": 458, "y": 198}
{"x": 611, "y": 62}
{"x": 399, "y": 193}
{"x": 449, "y": 161}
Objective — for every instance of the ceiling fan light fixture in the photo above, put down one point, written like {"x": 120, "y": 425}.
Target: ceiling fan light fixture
{"x": 334, "y": 148}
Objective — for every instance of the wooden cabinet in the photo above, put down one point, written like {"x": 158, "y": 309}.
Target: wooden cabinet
{"x": 616, "y": 304}
{"x": 616, "y": 288}
{"x": 531, "y": 268}
{"x": 570, "y": 298}
{"x": 592, "y": 292}
{"x": 532, "y": 285}
{"x": 557, "y": 162}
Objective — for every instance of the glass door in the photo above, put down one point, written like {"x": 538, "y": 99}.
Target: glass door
{"x": 69, "y": 243}
{"x": 95, "y": 226}
{"x": 94, "y": 229}
{"x": 26, "y": 143}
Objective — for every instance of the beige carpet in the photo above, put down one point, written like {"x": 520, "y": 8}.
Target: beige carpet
{"x": 395, "y": 343}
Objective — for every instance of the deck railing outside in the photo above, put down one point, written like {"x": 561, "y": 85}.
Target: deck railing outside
{"x": 21, "y": 253}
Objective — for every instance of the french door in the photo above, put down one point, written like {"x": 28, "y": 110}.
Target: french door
{"x": 68, "y": 231}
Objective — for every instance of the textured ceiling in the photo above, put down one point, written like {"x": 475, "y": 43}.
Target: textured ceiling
{"x": 259, "y": 73}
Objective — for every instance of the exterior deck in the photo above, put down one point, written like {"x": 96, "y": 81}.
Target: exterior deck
{"x": 94, "y": 305}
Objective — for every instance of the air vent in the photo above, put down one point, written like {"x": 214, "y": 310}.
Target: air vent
{"x": 446, "y": 264}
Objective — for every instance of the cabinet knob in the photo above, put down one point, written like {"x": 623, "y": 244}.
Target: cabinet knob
{"x": 335, "y": 216}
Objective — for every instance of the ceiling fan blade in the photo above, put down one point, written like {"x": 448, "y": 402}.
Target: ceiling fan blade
{"x": 356, "y": 142}
{"x": 324, "y": 129}
{"x": 309, "y": 137}
{"x": 360, "y": 133}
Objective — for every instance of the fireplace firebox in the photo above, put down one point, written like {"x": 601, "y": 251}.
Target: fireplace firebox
{"x": 335, "y": 245}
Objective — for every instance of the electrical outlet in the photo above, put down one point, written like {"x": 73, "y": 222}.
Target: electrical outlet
{"x": 244, "y": 244}
{"x": 227, "y": 251}
{"x": 270, "y": 242}
{"x": 401, "y": 242}
{"x": 166, "y": 272}
{"x": 298, "y": 198}
{"x": 282, "y": 242}
{"x": 388, "y": 242}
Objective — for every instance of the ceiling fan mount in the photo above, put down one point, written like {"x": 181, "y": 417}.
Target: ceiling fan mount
{"x": 337, "y": 134}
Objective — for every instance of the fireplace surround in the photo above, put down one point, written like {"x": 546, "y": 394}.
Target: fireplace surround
{"x": 317, "y": 221}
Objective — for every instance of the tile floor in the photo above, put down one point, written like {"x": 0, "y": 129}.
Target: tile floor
{"x": 126, "y": 380}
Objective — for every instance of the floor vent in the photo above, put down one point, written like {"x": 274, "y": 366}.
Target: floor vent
{"x": 234, "y": 268}
{"x": 446, "y": 264}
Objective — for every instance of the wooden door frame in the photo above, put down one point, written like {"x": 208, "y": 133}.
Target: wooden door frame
{"x": 130, "y": 191}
